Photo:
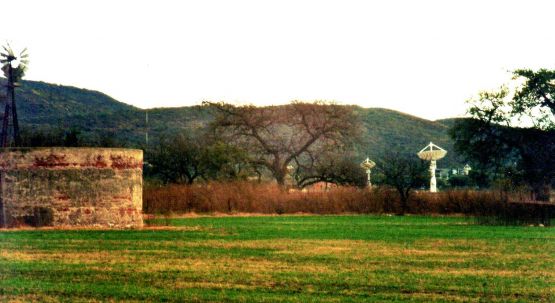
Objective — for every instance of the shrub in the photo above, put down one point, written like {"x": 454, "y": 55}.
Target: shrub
{"x": 497, "y": 207}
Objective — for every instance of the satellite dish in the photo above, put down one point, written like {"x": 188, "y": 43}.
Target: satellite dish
{"x": 367, "y": 165}
{"x": 432, "y": 153}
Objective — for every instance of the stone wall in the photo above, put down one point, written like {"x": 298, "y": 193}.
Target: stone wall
{"x": 88, "y": 187}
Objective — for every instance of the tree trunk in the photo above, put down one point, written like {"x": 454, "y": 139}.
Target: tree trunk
{"x": 280, "y": 174}
{"x": 403, "y": 198}
{"x": 280, "y": 178}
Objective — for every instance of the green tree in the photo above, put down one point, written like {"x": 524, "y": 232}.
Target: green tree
{"x": 535, "y": 98}
{"x": 512, "y": 134}
{"x": 404, "y": 173}
{"x": 461, "y": 181}
{"x": 185, "y": 158}
{"x": 225, "y": 162}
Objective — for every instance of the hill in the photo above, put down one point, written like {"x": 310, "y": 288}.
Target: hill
{"x": 389, "y": 130}
{"x": 450, "y": 122}
{"x": 48, "y": 106}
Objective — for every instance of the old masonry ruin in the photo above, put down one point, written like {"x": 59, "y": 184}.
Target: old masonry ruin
{"x": 86, "y": 187}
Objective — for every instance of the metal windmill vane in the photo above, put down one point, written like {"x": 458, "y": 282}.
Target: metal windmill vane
{"x": 14, "y": 67}
{"x": 432, "y": 153}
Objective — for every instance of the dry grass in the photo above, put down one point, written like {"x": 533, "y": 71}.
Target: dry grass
{"x": 244, "y": 198}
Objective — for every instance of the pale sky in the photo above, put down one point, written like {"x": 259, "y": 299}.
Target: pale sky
{"x": 421, "y": 57}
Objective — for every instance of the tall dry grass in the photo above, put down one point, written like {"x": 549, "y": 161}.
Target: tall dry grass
{"x": 498, "y": 207}
{"x": 264, "y": 198}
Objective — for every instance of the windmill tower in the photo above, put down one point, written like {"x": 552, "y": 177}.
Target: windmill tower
{"x": 432, "y": 153}
{"x": 14, "y": 68}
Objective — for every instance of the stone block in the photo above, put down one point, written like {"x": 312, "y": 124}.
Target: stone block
{"x": 87, "y": 187}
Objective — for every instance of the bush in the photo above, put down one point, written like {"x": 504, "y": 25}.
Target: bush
{"x": 267, "y": 198}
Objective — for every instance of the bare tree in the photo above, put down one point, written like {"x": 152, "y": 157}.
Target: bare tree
{"x": 337, "y": 166}
{"x": 275, "y": 136}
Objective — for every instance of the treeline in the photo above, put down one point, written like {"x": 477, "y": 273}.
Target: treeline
{"x": 499, "y": 141}
{"x": 296, "y": 145}
{"x": 266, "y": 159}
{"x": 72, "y": 137}
{"x": 304, "y": 143}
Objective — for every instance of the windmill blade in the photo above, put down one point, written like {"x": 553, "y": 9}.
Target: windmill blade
{"x": 4, "y": 61}
{"x": 4, "y": 55}
{"x": 9, "y": 50}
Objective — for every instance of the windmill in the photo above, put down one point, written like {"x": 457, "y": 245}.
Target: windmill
{"x": 432, "y": 153}
{"x": 13, "y": 66}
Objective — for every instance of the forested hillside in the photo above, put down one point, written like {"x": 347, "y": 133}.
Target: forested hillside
{"x": 44, "y": 106}
{"x": 391, "y": 131}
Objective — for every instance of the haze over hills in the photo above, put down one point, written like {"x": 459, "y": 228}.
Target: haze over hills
{"x": 46, "y": 106}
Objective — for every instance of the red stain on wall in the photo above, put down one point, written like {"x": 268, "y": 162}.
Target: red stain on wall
{"x": 123, "y": 197}
{"x": 51, "y": 160}
{"x": 100, "y": 162}
{"x": 97, "y": 161}
{"x": 119, "y": 162}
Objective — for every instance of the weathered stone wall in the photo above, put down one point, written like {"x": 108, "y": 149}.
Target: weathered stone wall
{"x": 71, "y": 187}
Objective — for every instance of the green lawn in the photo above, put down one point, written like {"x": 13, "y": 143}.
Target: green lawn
{"x": 284, "y": 258}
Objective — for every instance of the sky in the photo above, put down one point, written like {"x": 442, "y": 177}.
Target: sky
{"x": 421, "y": 57}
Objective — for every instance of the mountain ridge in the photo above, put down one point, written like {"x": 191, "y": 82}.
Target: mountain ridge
{"x": 44, "y": 106}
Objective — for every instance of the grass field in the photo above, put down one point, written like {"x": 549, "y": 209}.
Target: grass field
{"x": 283, "y": 258}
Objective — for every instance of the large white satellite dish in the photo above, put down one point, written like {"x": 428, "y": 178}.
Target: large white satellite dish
{"x": 432, "y": 153}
